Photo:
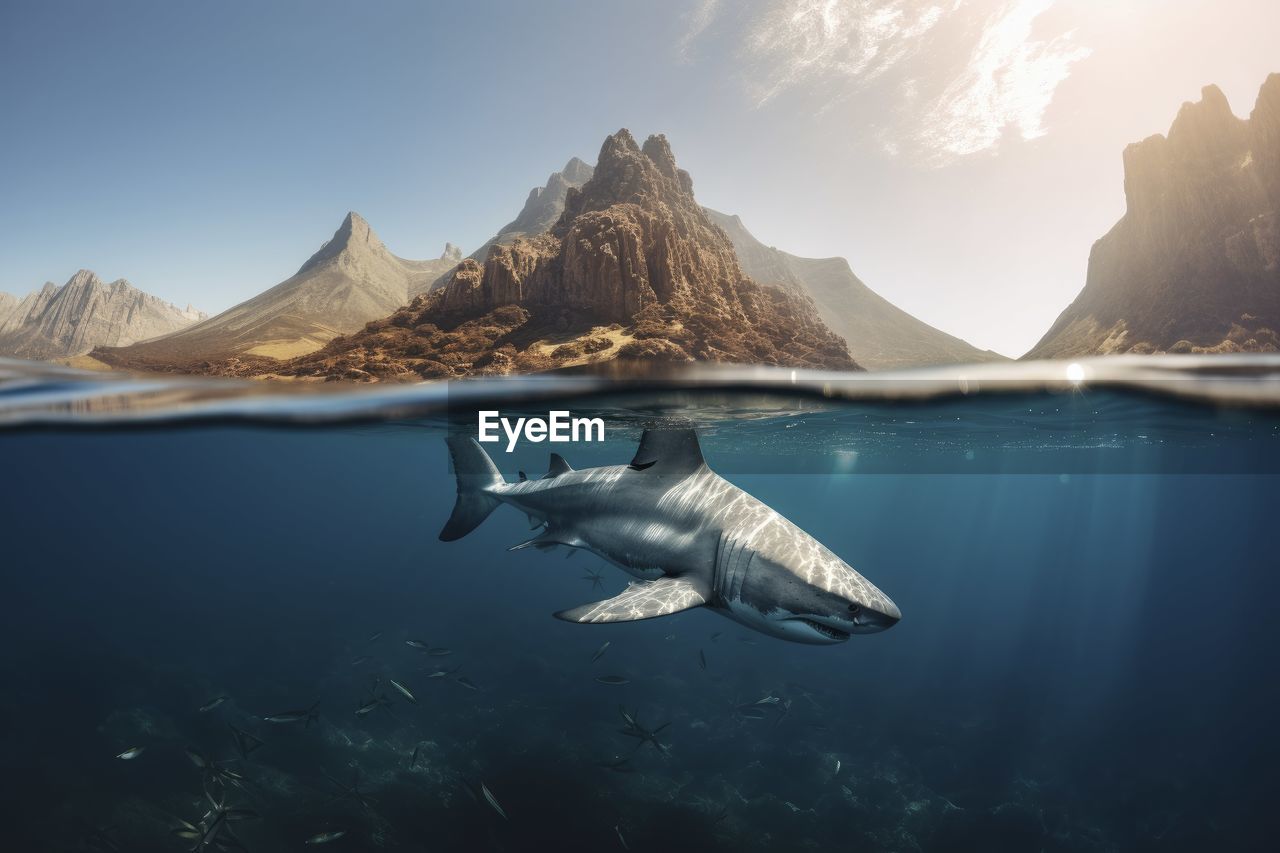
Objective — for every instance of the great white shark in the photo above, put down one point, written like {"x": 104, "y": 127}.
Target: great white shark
{"x": 692, "y": 538}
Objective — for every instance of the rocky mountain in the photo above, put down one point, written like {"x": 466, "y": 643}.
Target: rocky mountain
{"x": 62, "y": 322}
{"x": 880, "y": 335}
{"x": 542, "y": 208}
{"x": 7, "y": 303}
{"x": 351, "y": 280}
{"x": 1194, "y": 263}
{"x": 633, "y": 268}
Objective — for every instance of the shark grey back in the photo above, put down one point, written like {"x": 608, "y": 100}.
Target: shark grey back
{"x": 690, "y": 537}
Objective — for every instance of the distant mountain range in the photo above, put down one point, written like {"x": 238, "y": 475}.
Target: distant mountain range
{"x": 62, "y": 322}
{"x": 541, "y": 209}
{"x": 350, "y": 281}
{"x": 632, "y": 269}
{"x": 879, "y": 335}
{"x": 1194, "y": 264}
{"x": 585, "y": 272}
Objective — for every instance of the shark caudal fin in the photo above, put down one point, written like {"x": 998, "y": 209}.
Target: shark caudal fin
{"x": 476, "y": 475}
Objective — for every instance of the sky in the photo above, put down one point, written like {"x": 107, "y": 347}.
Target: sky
{"x": 962, "y": 154}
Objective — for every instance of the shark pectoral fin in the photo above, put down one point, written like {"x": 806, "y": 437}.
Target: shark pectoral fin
{"x": 644, "y": 600}
{"x": 547, "y": 539}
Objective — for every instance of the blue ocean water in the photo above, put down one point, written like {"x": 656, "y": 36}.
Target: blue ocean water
{"x": 1087, "y": 658}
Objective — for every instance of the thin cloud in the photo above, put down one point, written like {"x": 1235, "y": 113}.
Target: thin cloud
{"x": 698, "y": 20}
{"x": 1008, "y": 82}
{"x": 962, "y": 73}
{"x": 857, "y": 41}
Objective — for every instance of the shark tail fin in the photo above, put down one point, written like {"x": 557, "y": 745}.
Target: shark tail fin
{"x": 476, "y": 476}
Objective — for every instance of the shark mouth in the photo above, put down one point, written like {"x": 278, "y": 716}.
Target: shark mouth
{"x": 834, "y": 634}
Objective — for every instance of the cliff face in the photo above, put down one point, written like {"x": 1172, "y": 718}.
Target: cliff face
{"x": 61, "y": 322}
{"x": 7, "y": 303}
{"x": 352, "y": 279}
{"x": 881, "y": 336}
{"x": 632, "y": 268}
{"x": 1194, "y": 264}
{"x": 541, "y": 209}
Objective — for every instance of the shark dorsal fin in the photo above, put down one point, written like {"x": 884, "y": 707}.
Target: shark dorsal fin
{"x": 645, "y": 600}
{"x": 557, "y": 466}
{"x": 668, "y": 451}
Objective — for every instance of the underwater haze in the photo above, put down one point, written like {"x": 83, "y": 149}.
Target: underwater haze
{"x": 1087, "y": 656}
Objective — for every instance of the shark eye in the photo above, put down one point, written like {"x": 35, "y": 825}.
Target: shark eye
{"x": 855, "y": 609}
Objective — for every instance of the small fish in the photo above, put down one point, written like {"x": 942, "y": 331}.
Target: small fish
{"x": 669, "y": 637}
{"x": 326, "y": 837}
{"x": 702, "y": 660}
{"x": 187, "y": 831}
{"x": 373, "y": 638}
{"x": 466, "y": 682}
{"x": 304, "y": 717}
{"x": 196, "y": 758}
{"x": 786, "y": 709}
{"x": 622, "y": 765}
{"x": 837, "y": 773}
{"x": 439, "y": 673}
{"x": 369, "y": 707}
{"x": 791, "y": 806}
{"x": 600, "y": 652}
{"x": 493, "y": 801}
{"x": 131, "y": 753}
{"x": 404, "y": 691}
{"x": 618, "y": 829}
{"x": 356, "y": 661}
{"x": 213, "y": 703}
{"x": 715, "y": 636}
{"x": 612, "y": 679}
{"x": 413, "y": 759}
{"x": 753, "y": 713}
{"x": 440, "y": 651}
{"x": 417, "y": 644}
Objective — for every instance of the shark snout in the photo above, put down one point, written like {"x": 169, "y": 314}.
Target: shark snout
{"x": 869, "y": 620}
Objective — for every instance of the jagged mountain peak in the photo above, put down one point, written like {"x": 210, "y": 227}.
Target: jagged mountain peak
{"x": 1194, "y": 263}
{"x": 84, "y": 278}
{"x": 575, "y": 171}
{"x": 354, "y": 235}
{"x": 66, "y": 321}
{"x": 625, "y": 173}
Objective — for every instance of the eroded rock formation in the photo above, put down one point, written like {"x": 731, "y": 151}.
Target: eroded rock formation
{"x": 61, "y": 322}
{"x": 1194, "y": 264}
{"x": 633, "y": 268}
